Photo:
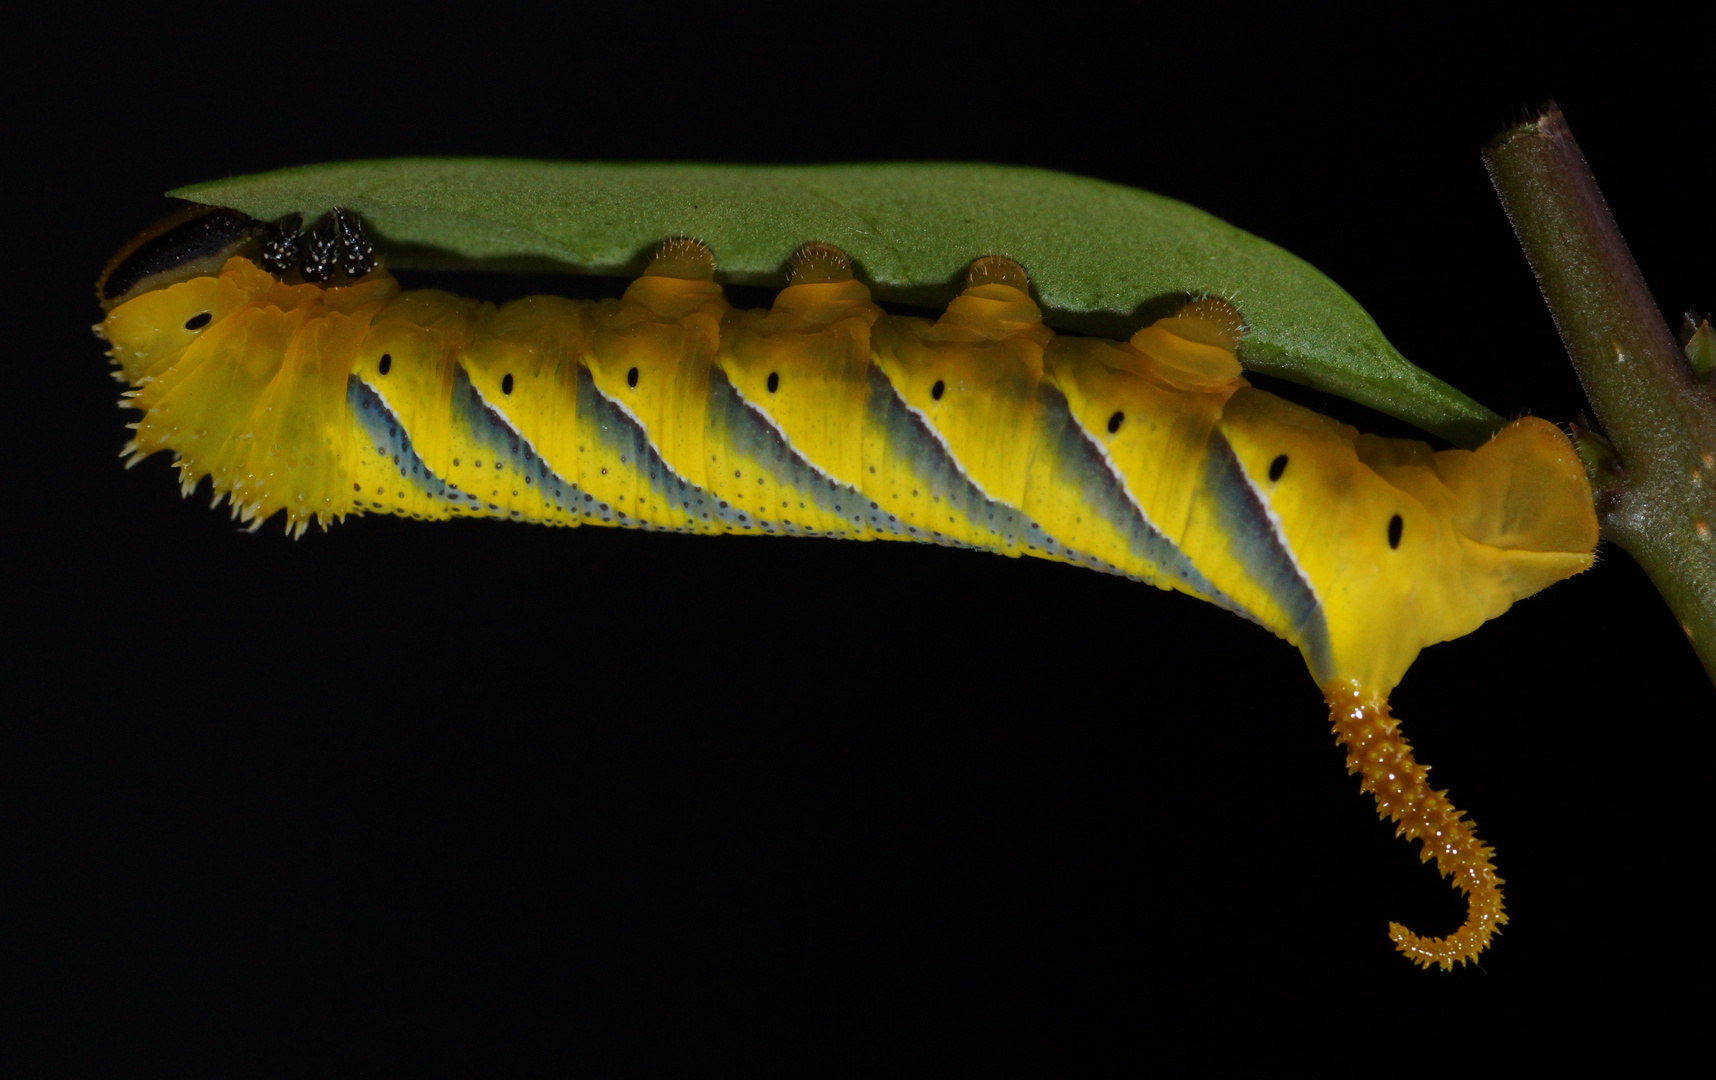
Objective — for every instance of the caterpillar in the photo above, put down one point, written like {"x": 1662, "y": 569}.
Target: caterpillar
{"x": 293, "y": 371}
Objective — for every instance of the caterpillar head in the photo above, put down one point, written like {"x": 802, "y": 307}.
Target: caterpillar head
{"x": 193, "y": 242}
{"x": 198, "y": 240}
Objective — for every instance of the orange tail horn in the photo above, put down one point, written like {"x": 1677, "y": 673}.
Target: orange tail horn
{"x": 1383, "y": 760}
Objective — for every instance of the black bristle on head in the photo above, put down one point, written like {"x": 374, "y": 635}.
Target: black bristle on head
{"x": 322, "y": 253}
{"x": 283, "y": 244}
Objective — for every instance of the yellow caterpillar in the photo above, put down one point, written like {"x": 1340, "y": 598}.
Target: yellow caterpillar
{"x": 305, "y": 381}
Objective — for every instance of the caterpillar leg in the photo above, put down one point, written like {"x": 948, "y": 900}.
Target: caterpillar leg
{"x": 1383, "y": 760}
{"x": 817, "y": 263}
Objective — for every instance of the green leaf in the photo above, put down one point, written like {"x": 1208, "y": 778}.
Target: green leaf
{"x": 1103, "y": 258}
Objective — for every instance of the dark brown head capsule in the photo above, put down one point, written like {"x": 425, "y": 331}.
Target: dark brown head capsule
{"x": 199, "y": 239}
{"x": 190, "y": 243}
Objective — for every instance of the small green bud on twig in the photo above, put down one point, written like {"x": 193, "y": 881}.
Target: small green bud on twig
{"x": 1700, "y": 344}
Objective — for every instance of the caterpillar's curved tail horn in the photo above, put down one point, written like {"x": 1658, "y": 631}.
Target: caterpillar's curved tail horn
{"x": 1383, "y": 760}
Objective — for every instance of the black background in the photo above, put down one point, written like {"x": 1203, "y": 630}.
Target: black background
{"x": 495, "y": 794}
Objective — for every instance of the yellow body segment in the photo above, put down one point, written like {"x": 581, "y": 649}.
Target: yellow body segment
{"x": 537, "y": 343}
{"x": 976, "y": 391}
{"x": 667, "y": 409}
{"x": 806, "y": 362}
{"x": 1134, "y": 420}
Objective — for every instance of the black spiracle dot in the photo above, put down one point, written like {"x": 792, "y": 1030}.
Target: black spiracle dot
{"x": 1115, "y": 421}
{"x": 386, "y": 363}
{"x": 938, "y": 389}
{"x": 632, "y": 377}
{"x": 506, "y": 384}
{"x": 774, "y": 382}
{"x": 1395, "y": 527}
{"x": 1277, "y": 467}
{"x": 197, "y": 322}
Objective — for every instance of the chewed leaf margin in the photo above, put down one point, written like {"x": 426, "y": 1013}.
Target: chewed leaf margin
{"x": 1102, "y": 257}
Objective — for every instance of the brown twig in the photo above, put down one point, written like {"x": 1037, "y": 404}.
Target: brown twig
{"x": 1655, "y": 474}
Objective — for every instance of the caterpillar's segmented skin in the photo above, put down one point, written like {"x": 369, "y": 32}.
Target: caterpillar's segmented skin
{"x": 301, "y": 379}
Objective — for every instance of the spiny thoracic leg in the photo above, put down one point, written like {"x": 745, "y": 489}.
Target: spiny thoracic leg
{"x": 1383, "y": 760}
{"x": 338, "y": 244}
